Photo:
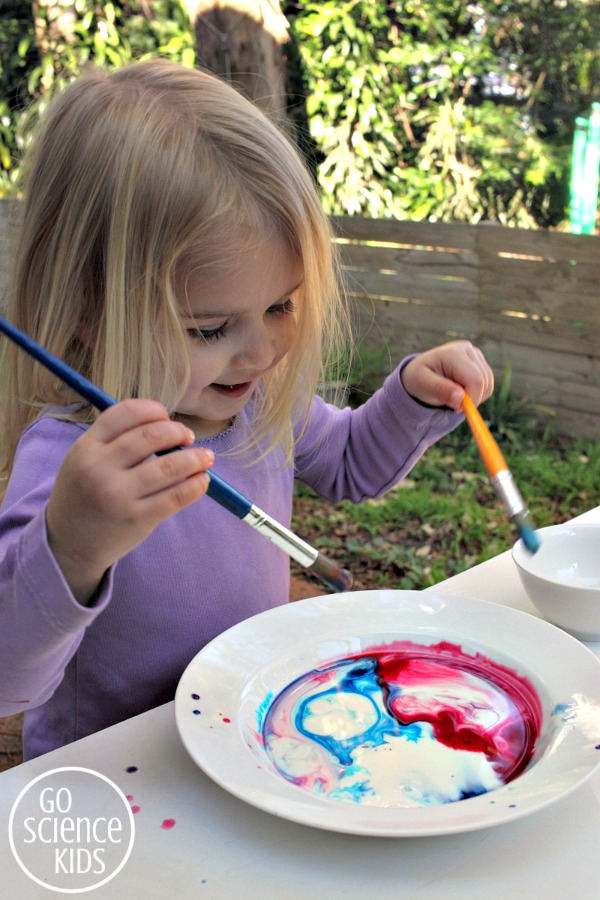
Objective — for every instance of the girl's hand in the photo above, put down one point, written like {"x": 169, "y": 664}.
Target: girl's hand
{"x": 440, "y": 377}
{"x": 111, "y": 491}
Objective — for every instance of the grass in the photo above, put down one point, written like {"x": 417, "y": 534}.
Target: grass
{"x": 445, "y": 516}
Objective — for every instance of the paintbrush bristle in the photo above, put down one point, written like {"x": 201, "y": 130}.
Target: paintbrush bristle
{"x": 526, "y": 532}
{"x": 331, "y": 573}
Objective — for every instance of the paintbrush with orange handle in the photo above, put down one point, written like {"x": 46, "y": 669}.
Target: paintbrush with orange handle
{"x": 501, "y": 476}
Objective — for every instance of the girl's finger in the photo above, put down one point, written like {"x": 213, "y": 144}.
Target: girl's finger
{"x": 162, "y": 505}
{"x": 123, "y": 416}
{"x": 162, "y": 473}
{"x": 132, "y": 431}
{"x": 138, "y": 444}
{"x": 468, "y": 368}
{"x": 481, "y": 383}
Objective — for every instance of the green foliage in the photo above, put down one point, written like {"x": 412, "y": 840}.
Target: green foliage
{"x": 110, "y": 34}
{"x": 401, "y": 117}
{"x": 16, "y": 31}
{"x": 404, "y": 118}
{"x": 348, "y": 104}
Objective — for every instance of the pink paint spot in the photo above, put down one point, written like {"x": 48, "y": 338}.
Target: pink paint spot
{"x": 227, "y": 720}
{"x": 135, "y": 809}
{"x": 167, "y": 823}
{"x": 130, "y": 797}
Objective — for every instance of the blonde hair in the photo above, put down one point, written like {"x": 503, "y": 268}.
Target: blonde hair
{"x": 134, "y": 176}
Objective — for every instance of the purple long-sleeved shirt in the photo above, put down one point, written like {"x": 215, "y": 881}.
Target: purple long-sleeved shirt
{"x": 75, "y": 670}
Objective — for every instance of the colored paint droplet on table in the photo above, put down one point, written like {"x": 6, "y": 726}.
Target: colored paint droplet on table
{"x": 134, "y": 809}
{"x": 195, "y": 696}
{"x": 167, "y": 823}
{"x": 451, "y": 725}
{"x": 131, "y": 769}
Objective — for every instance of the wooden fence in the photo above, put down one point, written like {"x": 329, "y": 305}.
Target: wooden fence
{"x": 530, "y": 299}
{"x": 527, "y": 298}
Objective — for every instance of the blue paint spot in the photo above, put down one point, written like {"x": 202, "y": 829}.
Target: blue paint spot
{"x": 195, "y": 696}
{"x": 474, "y": 792}
{"x": 262, "y": 710}
{"x": 131, "y": 769}
{"x": 412, "y": 733}
{"x": 196, "y": 712}
{"x": 353, "y": 792}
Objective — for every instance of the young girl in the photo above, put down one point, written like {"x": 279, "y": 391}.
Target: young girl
{"x": 173, "y": 248}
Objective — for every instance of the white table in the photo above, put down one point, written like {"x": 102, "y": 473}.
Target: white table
{"x": 222, "y": 848}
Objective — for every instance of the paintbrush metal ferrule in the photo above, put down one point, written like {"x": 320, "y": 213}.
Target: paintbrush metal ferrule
{"x": 516, "y": 509}
{"x": 281, "y": 536}
{"x": 325, "y": 569}
{"x": 509, "y": 493}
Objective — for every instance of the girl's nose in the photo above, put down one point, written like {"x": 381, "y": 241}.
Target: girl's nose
{"x": 259, "y": 350}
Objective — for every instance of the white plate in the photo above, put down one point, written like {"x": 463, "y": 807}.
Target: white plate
{"x": 224, "y": 694}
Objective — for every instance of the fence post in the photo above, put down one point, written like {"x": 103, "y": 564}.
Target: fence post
{"x": 585, "y": 170}
{"x": 592, "y": 169}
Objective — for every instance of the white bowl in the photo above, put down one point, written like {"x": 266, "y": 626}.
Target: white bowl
{"x": 562, "y": 579}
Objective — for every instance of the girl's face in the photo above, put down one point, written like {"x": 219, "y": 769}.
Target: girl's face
{"x": 240, "y": 325}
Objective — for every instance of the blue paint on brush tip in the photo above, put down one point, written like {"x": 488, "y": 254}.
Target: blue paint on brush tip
{"x": 529, "y": 537}
{"x": 526, "y": 531}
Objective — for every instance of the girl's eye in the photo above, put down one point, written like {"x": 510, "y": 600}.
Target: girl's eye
{"x": 213, "y": 334}
{"x": 283, "y": 308}
{"x": 207, "y": 334}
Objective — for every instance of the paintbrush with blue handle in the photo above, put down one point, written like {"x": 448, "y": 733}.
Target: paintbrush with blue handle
{"x": 327, "y": 571}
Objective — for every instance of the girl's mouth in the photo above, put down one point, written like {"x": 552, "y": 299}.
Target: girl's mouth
{"x": 232, "y": 390}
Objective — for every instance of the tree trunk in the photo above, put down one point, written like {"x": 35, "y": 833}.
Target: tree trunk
{"x": 241, "y": 40}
